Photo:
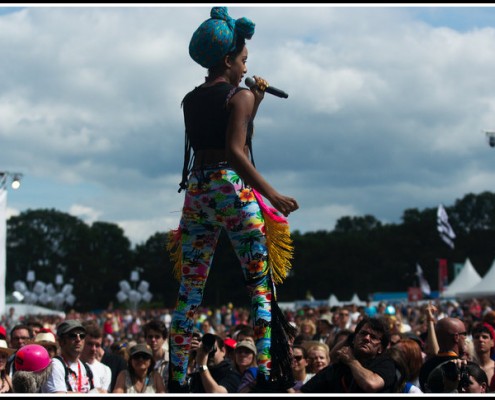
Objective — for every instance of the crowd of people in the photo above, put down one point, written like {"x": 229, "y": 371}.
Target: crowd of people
{"x": 435, "y": 347}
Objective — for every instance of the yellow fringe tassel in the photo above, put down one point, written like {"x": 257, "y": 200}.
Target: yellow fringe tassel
{"x": 278, "y": 240}
{"x": 280, "y": 249}
{"x": 174, "y": 246}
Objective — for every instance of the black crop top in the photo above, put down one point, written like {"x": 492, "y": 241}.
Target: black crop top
{"x": 206, "y": 116}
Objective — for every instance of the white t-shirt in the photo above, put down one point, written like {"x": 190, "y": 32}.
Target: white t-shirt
{"x": 78, "y": 379}
{"x": 102, "y": 375}
{"x": 414, "y": 389}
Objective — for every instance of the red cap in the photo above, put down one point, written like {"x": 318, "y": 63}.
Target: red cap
{"x": 229, "y": 342}
{"x": 3, "y": 331}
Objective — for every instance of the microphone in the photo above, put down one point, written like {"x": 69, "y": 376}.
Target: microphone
{"x": 250, "y": 83}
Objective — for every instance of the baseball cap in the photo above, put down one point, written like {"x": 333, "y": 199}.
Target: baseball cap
{"x": 69, "y": 325}
{"x": 246, "y": 344}
{"x": 140, "y": 348}
{"x": 230, "y": 343}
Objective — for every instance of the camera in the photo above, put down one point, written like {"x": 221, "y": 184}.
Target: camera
{"x": 209, "y": 342}
{"x": 490, "y": 136}
{"x": 455, "y": 373}
{"x": 464, "y": 381}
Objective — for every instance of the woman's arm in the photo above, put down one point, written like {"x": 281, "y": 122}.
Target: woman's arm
{"x": 159, "y": 384}
{"x": 120, "y": 383}
{"x": 242, "y": 107}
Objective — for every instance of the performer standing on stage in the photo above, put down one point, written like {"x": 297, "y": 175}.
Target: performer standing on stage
{"x": 223, "y": 190}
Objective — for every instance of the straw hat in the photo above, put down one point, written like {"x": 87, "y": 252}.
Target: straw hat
{"x": 43, "y": 337}
{"x": 4, "y": 348}
{"x": 46, "y": 339}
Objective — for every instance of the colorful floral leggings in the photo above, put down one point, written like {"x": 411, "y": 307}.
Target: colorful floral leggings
{"x": 220, "y": 201}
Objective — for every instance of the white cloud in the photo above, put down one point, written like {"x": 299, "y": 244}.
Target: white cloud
{"x": 385, "y": 111}
{"x": 87, "y": 214}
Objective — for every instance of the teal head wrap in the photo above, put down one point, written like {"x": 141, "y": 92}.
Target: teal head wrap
{"x": 217, "y": 36}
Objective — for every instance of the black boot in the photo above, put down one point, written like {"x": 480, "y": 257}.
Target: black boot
{"x": 271, "y": 385}
{"x": 176, "y": 387}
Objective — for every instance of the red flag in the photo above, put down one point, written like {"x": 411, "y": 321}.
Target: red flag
{"x": 443, "y": 281}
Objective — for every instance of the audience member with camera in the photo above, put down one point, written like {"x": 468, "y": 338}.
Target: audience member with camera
{"x": 214, "y": 373}
{"x": 451, "y": 336}
{"x": 457, "y": 376}
{"x": 361, "y": 364}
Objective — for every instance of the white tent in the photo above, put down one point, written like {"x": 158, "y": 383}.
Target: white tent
{"x": 467, "y": 278}
{"x": 333, "y": 301}
{"x": 485, "y": 288}
{"x": 21, "y": 310}
{"x": 356, "y": 300}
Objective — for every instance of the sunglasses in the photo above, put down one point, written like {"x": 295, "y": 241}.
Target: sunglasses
{"x": 73, "y": 335}
{"x": 298, "y": 358}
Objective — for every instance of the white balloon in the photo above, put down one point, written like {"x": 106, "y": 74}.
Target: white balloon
{"x": 134, "y": 276}
{"x": 18, "y": 296}
{"x": 50, "y": 289}
{"x": 143, "y": 286}
{"x": 59, "y": 279}
{"x": 43, "y": 298}
{"x": 59, "y": 299}
{"x": 125, "y": 286}
{"x": 67, "y": 289}
{"x": 121, "y": 297}
{"x": 39, "y": 287}
{"x": 147, "y": 297}
{"x": 31, "y": 298}
{"x": 134, "y": 296}
{"x": 20, "y": 286}
{"x": 70, "y": 299}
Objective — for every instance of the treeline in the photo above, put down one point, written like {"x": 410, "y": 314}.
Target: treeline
{"x": 360, "y": 255}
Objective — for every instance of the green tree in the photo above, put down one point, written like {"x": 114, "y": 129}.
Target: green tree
{"x": 474, "y": 212}
{"x": 48, "y": 242}
{"x": 361, "y": 255}
{"x": 156, "y": 266}
{"x": 110, "y": 260}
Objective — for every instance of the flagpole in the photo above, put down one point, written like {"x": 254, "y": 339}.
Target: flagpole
{"x": 16, "y": 182}
{"x": 447, "y": 235}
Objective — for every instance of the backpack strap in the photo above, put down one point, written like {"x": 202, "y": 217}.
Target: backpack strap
{"x": 89, "y": 373}
{"x": 66, "y": 368}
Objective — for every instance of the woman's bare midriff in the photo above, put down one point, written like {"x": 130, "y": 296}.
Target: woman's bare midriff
{"x": 211, "y": 156}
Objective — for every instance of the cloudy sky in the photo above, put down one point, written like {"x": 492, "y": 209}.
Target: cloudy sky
{"x": 387, "y": 108}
